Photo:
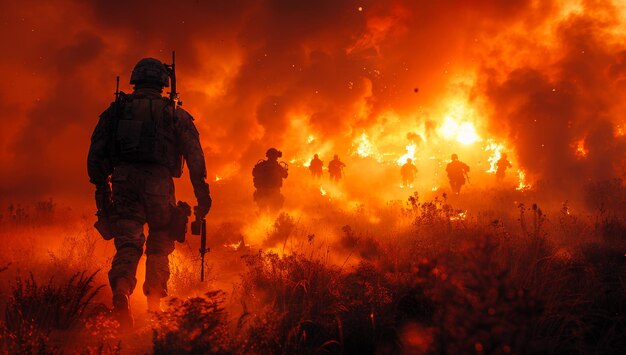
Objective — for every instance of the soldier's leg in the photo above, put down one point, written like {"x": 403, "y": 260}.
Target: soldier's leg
{"x": 158, "y": 248}
{"x": 455, "y": 186}
{"x": 128, "y": 241}
{"x": 159, "y": 245}
{"x": 129, "y": 247}
{"x": 276, "y": 202}
{"x": 262, "y": 200}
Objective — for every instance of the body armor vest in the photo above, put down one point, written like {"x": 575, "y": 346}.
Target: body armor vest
{"x": 267, "y": 174}
{"x": 144, "y": 133}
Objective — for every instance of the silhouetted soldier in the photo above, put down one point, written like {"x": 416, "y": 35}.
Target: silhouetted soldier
{"x": 408, "y": 172}
{"x": 139, "y": 145}
{"x": 316, "y": 166}
{"x": 501, "y": 165}
{"x": 268, "y": 178}
{"x": 335, "y": 168}
{"x": 457, "y": 171}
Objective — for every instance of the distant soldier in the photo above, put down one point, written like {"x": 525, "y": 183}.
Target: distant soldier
{"x": 408, "y": 172}
{"x": 501, "y": 165}
{"x": 316, "y": 166}
{"x": 137, "y": 147}
{"x": 457, "y": 172}
{"x": 335, "y": 168}
{"x": 268, "y": 178}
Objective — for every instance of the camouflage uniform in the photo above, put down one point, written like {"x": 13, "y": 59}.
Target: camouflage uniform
{"x": 335, "y": 168}
{"x": 456, "y": 174}
{"x": 316, "y": 167}
{"x": 143, "y": 187}
{"x": 408, "y": 172}
{"x": 502, "y": 164}
{"x": 268, "y": 178}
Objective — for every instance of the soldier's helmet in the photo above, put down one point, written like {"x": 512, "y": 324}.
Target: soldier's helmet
{"x": 409, "y": 161}
{"x": 336, "y": 157}
{"x": 273, "y": 153}
{"x": 503, "y": 156}
{"x": 455, "y": 157}
{"x": 315, "y": 156}
{"x": 151, "y": 71}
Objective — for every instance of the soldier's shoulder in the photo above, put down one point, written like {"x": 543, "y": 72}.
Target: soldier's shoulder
{"x": 108, "y": 111}
{"x": 122, "y": 99}
{"x": 181, "y": 113}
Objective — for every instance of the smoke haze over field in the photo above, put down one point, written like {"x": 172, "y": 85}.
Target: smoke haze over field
{"x": 547, "y": 79}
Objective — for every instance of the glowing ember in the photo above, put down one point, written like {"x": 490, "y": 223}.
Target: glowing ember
{"x": 460, "y": 216}
{"x": 410, "y": 154}
{"x": 236, "y": 246}
{"x": 310, "y": 139}
{"x": 434, "y": 188}
{"x": 523, "y": 185}
{"x": 581, "y": 150}
{"x": 217, "y": 178}
{"x": 322, "y": 191}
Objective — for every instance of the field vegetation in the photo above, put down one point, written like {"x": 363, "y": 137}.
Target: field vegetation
{"x": 504, "y": 273}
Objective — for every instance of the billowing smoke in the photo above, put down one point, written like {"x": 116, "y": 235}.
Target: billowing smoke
{"x": 308, "y": 76}
{"x": 564, "y": 108}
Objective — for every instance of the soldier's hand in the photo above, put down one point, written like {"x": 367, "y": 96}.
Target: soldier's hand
{"x": 103, "y": 197}
{"x": 203, "y": 208}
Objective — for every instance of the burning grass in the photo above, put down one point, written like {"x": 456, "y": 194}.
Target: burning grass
{"x": 421, "y": 276}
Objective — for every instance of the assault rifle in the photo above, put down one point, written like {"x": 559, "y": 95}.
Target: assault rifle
{"x": 198, "y": 227}
{"x": 172, "y": 71}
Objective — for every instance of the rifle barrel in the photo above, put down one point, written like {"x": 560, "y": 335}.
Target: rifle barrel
{"x": 117, "y": 87}
{"x": 203, "y": 248}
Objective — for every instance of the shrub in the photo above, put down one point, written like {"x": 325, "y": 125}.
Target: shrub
{"x": 193, "y": 326}
{"x": 34, "y": 311}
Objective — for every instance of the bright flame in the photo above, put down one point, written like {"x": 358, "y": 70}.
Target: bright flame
{"x": 310, "y": 139}
{"x": 434, "y": 188}
{"x": 322, "y": 191}
{"x": 462, "y": 132}
{"x": 217, "y": 178}
{"x": 523, "y": 185}
{"x": 495, "y": 155}
{"x": 410, "y": 154}
{"x": 365, "y": 148}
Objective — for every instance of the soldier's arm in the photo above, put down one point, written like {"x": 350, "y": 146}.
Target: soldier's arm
{"x": 189, "y": 141}
{"x": 99, "y": 165}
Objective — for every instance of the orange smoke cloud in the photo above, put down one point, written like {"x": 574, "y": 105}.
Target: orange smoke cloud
{"x": 314, "y": 76}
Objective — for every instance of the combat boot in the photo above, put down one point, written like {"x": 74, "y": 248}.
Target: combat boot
{"x": 121, "y": 311}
